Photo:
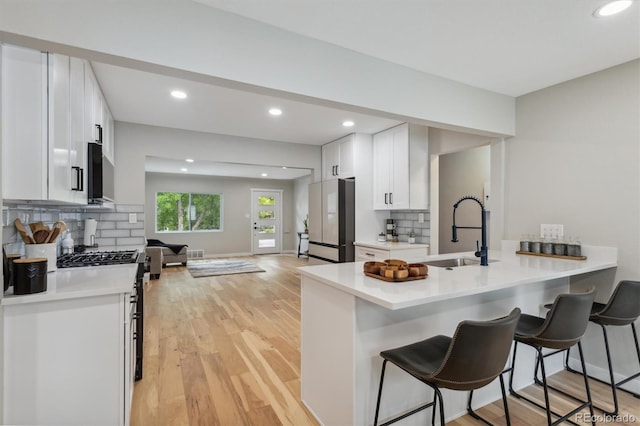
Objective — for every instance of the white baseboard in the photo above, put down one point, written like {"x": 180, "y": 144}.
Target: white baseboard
{"x": 603, "y": 374}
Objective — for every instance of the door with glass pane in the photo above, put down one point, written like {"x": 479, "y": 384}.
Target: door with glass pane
{"x": 266, "y": 215}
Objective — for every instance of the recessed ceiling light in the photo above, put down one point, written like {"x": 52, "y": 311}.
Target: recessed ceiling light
{"x": 184, "y": 169}
{"x": 189, "y": 160}
{"x": 264, "y": 175}
{"x": 275, "y": 111}
{"x": 612, "y": 7}
{"x": 178, "y": 94}
{"x": 347, "y": 123}
{"x": 284, "y": 167}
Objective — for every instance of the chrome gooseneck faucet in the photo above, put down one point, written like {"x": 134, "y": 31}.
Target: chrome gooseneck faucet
{"x": 481, "y": 251}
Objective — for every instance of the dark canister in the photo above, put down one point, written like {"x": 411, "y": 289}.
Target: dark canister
{"x": 560, "y": 249}
{"x": 8, "y": 271}
{"x": 29, "y": 275}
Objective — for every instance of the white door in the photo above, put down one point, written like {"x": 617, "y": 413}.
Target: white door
{"x": 266, "y": 221}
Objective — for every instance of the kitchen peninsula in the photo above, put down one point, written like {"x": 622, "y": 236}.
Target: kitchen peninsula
{"x": 348, "y": 318}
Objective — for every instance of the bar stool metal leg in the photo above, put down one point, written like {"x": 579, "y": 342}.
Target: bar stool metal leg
{"x": 476, "y": 416}
{"x": 543, "y": 382}
{"x": 612, "y": 383}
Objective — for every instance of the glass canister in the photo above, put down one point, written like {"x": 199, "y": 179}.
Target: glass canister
{"x": 560, "y": 248}
{"x": 534, "y": 245}
{"x": 574, "y": 248}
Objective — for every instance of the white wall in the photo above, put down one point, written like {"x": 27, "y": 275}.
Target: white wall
{"x": 134, "y": 142}
{"x": 369, "y": 222}
{"x": 227, "y": 49}
{"x": 462, "y": 173}
{"x": 575, "y": 162}
{"x": 235, "y": 237}
{"x": 443, "y": 142}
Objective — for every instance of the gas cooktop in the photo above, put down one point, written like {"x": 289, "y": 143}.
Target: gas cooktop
{"x": 98, "y": 258}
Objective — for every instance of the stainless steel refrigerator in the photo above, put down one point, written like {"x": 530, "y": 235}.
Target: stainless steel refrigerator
{"x": 332, "y": 221}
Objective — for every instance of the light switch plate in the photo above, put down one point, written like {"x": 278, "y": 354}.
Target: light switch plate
{"x": 133, "y": 218}
{"x": 420, "y": 217}
{"x": 551, "y": 230}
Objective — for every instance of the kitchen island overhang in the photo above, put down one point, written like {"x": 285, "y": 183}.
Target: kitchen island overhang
{"x": 348, "y": 318}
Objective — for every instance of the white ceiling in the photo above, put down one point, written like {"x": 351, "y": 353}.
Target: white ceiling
{"x": 508, "y": 46}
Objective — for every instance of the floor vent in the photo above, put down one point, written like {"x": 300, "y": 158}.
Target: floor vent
{"x": 195, "y": 254}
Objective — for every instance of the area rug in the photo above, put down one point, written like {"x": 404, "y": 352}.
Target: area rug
{"x": 207, "y": 268}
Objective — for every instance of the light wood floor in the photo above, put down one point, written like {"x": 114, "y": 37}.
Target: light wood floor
{"x": 226, "y": 351}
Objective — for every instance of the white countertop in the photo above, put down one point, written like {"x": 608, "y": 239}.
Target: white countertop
{"x": 508, "y": 269}
{"x": 389, "y": 245}
{"x": 71, "y": 283}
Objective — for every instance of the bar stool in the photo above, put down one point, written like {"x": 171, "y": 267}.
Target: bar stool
{"x": 562, "y": 328}
{"x": 473, "y": 358}
{"x": 623, "y": 308}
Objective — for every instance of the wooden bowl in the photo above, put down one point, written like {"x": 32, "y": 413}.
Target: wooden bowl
{"x": 418, "y": 269}
{"x": 373, "y": 267}
{"x": 388, "y": 271}
{"x": 401, "y": 273}
{"x": 396, "y": 262}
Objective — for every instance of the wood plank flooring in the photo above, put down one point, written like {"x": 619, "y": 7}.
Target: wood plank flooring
{"x": 226, "y": 351}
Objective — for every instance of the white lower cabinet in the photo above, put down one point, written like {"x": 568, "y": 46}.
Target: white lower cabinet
{"x": 69, "y": 361}
{"x": 388, "y": 251}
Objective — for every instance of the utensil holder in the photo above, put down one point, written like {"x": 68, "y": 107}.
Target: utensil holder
{"x": 48, "y": 251}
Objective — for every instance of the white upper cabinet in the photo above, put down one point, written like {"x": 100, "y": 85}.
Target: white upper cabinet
{"x": 24, "y": 124}
{"x": 50, "y": 107}
{"x": 98, "y": 121}
{"x": 338, "y": 158}
{"x": 401, "y": 168}
{"x": 76, "y": 130}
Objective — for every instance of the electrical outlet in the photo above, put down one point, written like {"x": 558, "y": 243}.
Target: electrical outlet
{"x": 551, "y": 230}
{"x": 133, "y": 218}
{"x": 420, "y": 217}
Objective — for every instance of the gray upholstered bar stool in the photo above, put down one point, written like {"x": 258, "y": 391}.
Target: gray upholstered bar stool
{"x": 471, "y": 359}
{"x": 623, "y": 308}
{"x": 562, "y": 328}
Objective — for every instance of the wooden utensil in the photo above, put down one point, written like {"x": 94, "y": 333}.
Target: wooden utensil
{"x": 41, "y": 236}
{"x": 54, "y": 235}
{"x": 23, "y": 232}
{"x": 58, "y": 228}
{"x": 37, "y": 226}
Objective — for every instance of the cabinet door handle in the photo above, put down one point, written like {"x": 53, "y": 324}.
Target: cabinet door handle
{"x": 385, "y": 198}
{"x": 391, "y": 198}
{"x": 77, "y": 170}
{"x": 337, "y": 173}
{"x": 98, "y": 133}
{"x": 370, "y": 255}
{"x": 81, "y": 179}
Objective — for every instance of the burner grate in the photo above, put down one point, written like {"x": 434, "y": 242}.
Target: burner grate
{"x": 99, "y": 258}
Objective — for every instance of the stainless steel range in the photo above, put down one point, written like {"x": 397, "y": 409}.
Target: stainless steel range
{"x": 118, "y": 257}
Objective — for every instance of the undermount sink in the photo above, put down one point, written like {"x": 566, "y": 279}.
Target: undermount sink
{"x": 455, "y": 262}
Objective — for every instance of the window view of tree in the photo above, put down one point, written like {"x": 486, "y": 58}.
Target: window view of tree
{"x": 266, "y": 201}
{"x": 176, "y": 211}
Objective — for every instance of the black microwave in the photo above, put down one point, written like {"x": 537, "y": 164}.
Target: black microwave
{"x": 100, "y": 179}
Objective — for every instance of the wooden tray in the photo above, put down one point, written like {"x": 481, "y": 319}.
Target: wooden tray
{"x": 395, "y": 280}
{"x": 557, "y": 256}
